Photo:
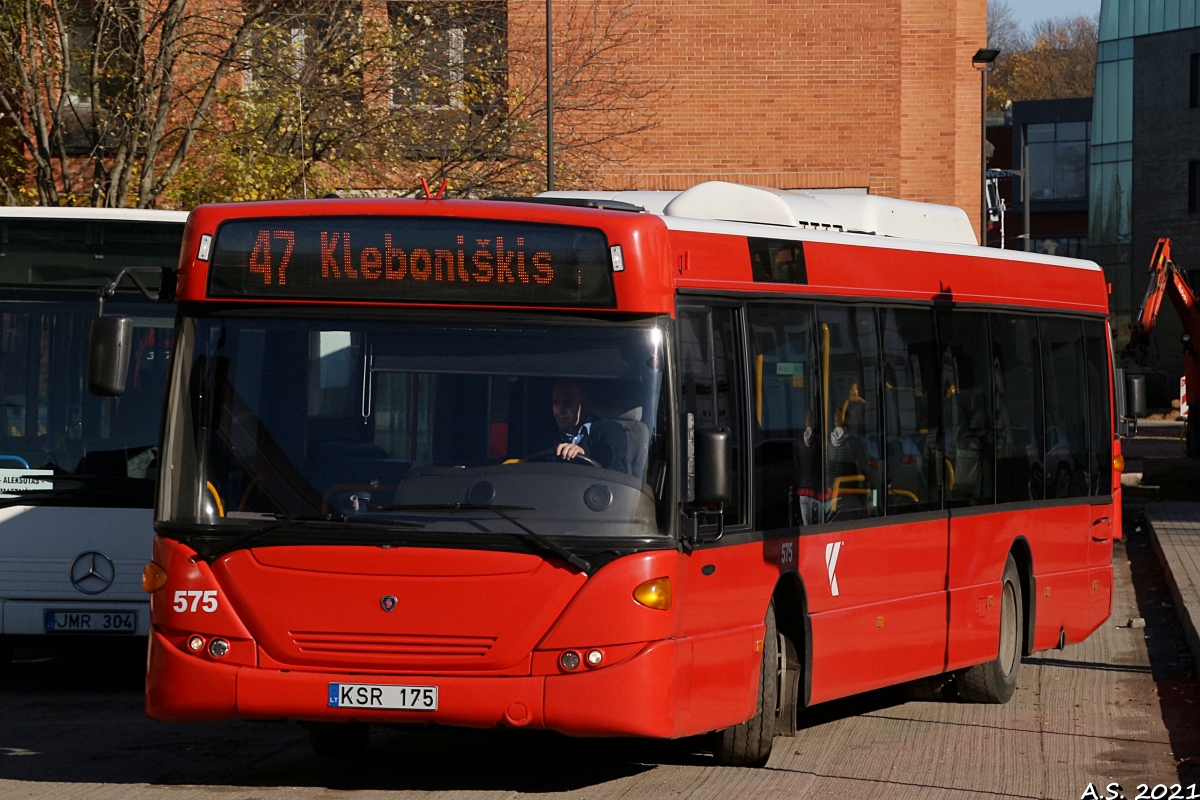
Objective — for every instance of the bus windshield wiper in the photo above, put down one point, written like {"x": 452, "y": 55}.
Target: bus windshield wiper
{"x": 583, "y": 565}
{"x": 284, "y": 522}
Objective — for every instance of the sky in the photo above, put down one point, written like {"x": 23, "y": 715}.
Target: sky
{"x": 1030, "y": 11}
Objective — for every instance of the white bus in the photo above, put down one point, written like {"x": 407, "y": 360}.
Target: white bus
{"x": 77, "y": 471}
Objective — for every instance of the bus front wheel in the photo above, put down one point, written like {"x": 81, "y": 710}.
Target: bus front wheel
{"x": 995, "y": 681}
{"x": 749, "y": 744}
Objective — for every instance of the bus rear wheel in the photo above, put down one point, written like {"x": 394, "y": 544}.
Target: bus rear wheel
{"x": 338, "y": 739}
{"x": 995, "y": 681}
{"x": 749, "y": 744}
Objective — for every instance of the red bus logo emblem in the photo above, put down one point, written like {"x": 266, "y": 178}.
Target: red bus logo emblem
{"x": 388, "y": 602}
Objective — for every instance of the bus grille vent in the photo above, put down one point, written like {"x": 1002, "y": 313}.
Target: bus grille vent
{"x": 392, "y": 644}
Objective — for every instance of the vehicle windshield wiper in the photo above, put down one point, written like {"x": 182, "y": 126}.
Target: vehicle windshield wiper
{"x": 284, "y": 522}
{"x": 583, "y": 565}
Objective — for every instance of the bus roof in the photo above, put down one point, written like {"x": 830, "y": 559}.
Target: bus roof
{"x": 71, "y": 212}
{"x": 667, "y": 253}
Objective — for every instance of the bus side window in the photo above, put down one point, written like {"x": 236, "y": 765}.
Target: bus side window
{"x": 1017, "y": 384}
{"x": 967, "y": 408}
{"x": 710, "y": 381}
{"x": 849, "y": 353}
{"x": 1064, "y": 377}
{"x": 1099, "y": 422}
{"x": 912, "y": 410}
{"x": 787, "y": 416}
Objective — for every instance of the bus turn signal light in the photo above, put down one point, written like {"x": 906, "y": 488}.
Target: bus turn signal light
{"x": 1119, "y": 463}
{"x": 154, "y": 578}
{"x": 654, "y": 594}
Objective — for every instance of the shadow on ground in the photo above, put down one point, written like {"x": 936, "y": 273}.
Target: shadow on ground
{"x": 75, "y": 713}
{"x": 1171, "y": 664}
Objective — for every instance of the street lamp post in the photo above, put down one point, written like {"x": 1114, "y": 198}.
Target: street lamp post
{"x": 549, "y": 96}
{"x": 983, "y": 60}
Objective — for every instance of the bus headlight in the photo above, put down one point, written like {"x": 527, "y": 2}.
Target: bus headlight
{"x": 218, "y": 648}
{"x": 154, "y": 578}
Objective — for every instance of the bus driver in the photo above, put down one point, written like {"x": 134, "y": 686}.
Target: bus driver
{"x": 583, "y": 433}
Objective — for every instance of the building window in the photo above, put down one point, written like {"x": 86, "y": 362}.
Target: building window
{"x": 457, "y": 56}
{"x": 1057, "y": 160}
{"x": 1194, "y": 91}
{"x": 1066, "y": 246}
{"x": 1193, "y": 187}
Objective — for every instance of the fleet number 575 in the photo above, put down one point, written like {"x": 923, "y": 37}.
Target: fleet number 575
{"x": 205, "y": 601}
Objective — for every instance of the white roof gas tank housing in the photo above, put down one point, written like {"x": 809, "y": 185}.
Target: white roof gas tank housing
{"x": 827, "y": 210}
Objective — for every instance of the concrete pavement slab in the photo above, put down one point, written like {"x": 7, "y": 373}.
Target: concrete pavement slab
{"x": 1175, "y": 532}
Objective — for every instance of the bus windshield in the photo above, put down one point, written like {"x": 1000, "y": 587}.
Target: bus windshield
{"x": 431, "y": 425}
{"x": 59, "y": 444}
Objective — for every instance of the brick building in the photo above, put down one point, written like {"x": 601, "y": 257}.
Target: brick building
{"x": 874, "y": 94}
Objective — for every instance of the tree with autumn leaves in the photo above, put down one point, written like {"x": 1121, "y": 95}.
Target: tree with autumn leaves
{"x": 1055, "y": 59}
{"x": 160, "y": 103}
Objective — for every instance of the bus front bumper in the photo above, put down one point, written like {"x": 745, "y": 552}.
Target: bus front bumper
{"x": 633, "y": 698}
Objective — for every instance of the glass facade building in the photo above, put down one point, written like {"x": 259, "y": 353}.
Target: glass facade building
{"x": 1110, "y": 212}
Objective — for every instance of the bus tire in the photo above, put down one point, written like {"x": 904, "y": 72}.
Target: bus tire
{"x": 749, "y": 744}
{"x": 338, "y": 739}
{"x": 995, "y": 681}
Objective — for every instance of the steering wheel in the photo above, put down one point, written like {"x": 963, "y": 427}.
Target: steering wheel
{"x": 549, "y": 455}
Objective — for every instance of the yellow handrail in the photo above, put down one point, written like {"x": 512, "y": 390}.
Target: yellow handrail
{"x": 758, "y": 387}
{"x": 854, "y": 397}
{"x": 825, "y": 374}
{"x": 216, "y": 499}
{"x": 950, "y": 470}
{"x": 258, "y": 481}
{"x": 839, "y": 491}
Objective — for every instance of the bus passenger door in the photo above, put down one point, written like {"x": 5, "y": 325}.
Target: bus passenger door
{"x": 722, "y": 603}
{"x": 877, "y": 591}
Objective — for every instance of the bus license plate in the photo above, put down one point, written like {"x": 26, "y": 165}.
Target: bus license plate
{"x": 365, "y": 695}
{"x": 68, "y": 621}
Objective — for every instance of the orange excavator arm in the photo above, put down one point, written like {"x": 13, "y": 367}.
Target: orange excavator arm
{"x": 1167, "y": 279}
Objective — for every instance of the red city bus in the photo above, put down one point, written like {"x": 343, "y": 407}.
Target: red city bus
{"x": 575, "y": 465}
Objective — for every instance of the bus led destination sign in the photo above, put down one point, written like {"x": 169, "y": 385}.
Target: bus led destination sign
{"x": 412, "y": 259}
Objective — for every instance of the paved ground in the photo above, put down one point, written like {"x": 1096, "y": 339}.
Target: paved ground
{"x": 1123, "y": 706}
{"x": 1175, "y": 533}
{"x": 1156, "y": 439}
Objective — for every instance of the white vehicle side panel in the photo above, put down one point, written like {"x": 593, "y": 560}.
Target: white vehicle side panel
{"x": 39, "y": 543}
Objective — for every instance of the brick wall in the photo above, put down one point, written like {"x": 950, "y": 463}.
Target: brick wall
{"x": 807, "y": 94}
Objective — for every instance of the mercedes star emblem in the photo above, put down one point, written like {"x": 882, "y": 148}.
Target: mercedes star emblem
{"x": 92, "y": 572}
{"x": 388, "y": 602}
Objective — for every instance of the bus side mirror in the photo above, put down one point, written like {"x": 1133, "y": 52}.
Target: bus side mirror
{"x": 108, "y": 355}
{"x": 1135, "y": 395}
{"x": 1127, "y": 387}
{"x": 714, "y": 467}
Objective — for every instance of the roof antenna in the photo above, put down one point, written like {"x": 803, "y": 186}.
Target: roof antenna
{"x": 441, "y": 189}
